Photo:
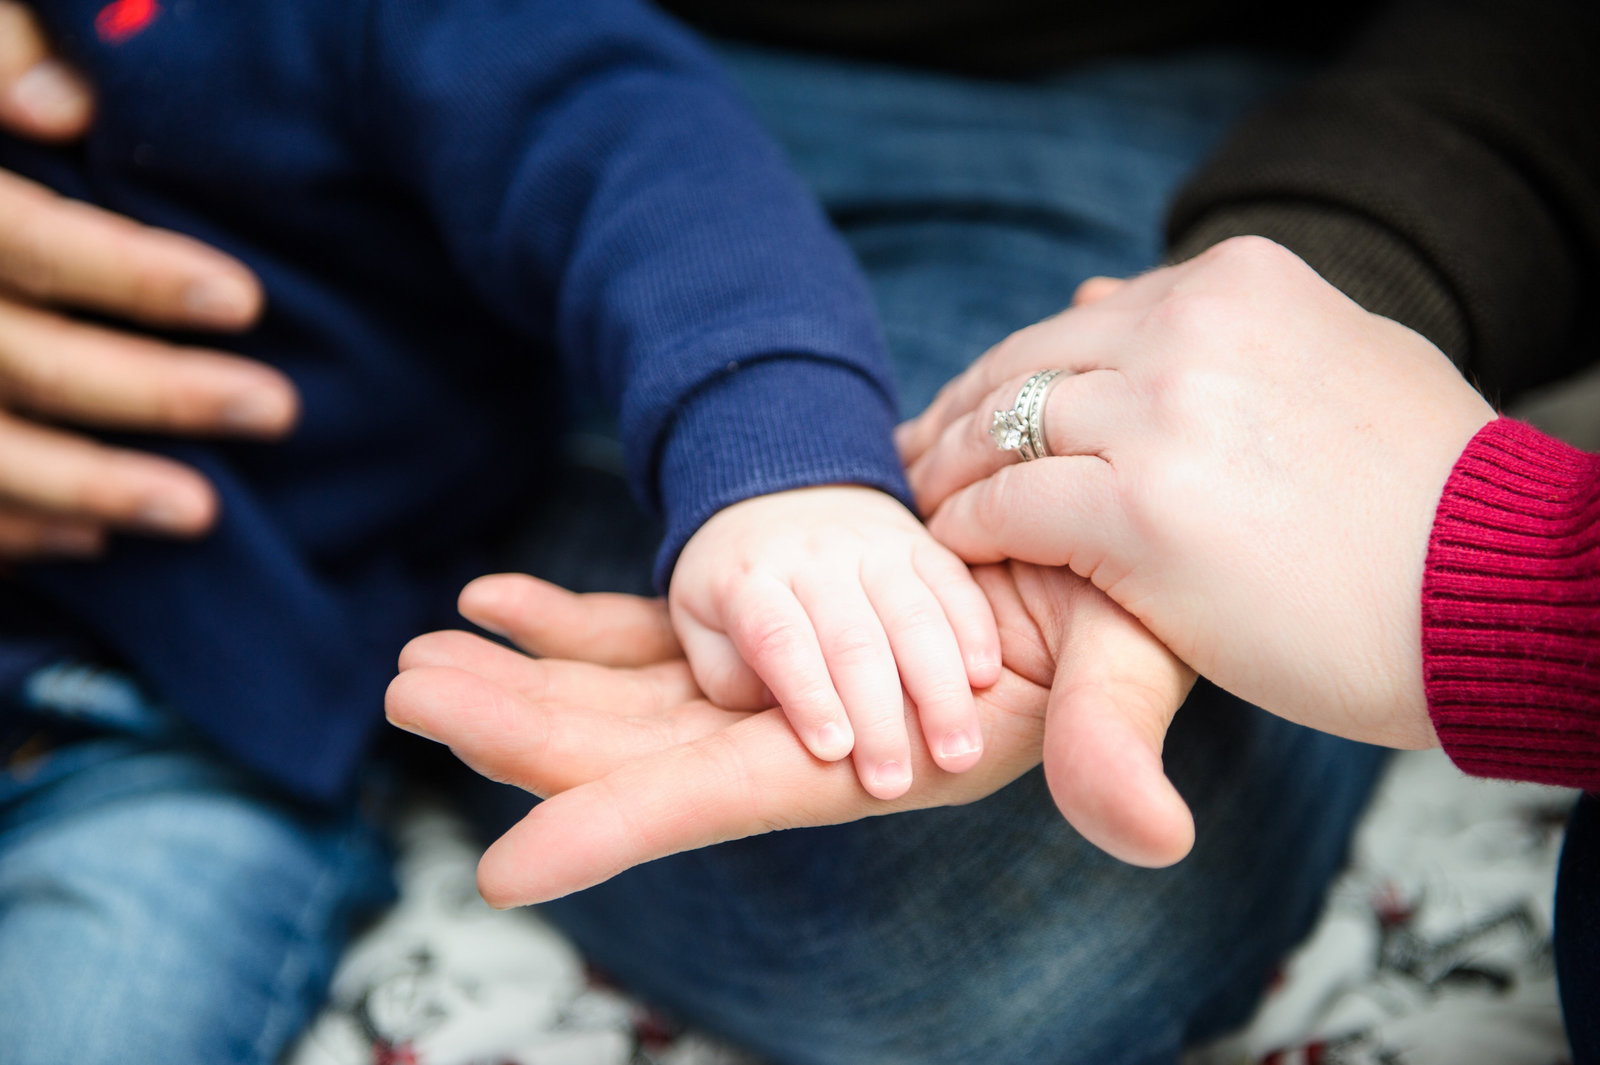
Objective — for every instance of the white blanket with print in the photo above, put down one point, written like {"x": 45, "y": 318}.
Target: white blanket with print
{"x": 1434, "y": 950}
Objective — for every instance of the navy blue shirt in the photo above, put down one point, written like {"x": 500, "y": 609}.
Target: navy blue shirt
{"x": 463, "y": 213}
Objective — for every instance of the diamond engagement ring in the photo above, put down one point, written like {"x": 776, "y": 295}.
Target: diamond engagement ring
{"x": 1021, "y": 429}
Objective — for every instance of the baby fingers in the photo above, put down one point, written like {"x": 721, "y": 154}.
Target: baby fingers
{"x": 774, "y": 633}
{"x": 930, "y": 663}
{"x": 861, "y": 663}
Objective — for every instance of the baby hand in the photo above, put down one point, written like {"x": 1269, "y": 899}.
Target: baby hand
{"x": 825, "y": 600}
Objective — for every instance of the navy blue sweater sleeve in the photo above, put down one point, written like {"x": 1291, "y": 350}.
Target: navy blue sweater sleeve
{"x": 594, "y": 173}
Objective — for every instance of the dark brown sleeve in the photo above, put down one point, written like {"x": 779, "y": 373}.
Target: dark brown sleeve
{"x": 1445, "y": 172}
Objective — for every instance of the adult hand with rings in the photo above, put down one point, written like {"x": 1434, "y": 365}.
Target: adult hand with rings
{"x": 1240, "y": 456}
{"x": 61, "y": 491}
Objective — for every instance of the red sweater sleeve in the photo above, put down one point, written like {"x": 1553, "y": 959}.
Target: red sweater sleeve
{"x": 1511, "y": 609}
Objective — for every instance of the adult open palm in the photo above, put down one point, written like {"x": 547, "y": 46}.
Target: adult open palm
{"x": 636, "y": 765}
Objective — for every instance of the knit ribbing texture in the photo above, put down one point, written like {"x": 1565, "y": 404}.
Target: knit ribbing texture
{"x": 1511, "y": 609}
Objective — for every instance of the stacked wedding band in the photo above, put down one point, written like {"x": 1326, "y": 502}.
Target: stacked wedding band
{"x": 1021, "y": 429}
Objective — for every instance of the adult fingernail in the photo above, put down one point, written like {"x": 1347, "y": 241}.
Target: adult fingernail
{"x": 413, "y": 728}
{"x": 171, "y": 514}
{"x": 258, "y": 411}
{"x": 957, "y": 744}
{"x": 221, "y": 300}
{"x": 891, "y": 777}
{"x": 52, "y": 94}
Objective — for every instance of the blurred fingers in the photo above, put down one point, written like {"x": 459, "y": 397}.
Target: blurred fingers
{"x": 59, "y": 250}
{"x": 69, "y": 477}
{"x": 26, "y": 535}
{"x": 96, "y": 376}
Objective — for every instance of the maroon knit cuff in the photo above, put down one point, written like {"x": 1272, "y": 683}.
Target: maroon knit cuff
{"x": 1511, "y": 609}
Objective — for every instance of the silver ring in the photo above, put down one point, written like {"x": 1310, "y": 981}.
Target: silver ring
{"x": 1021, "y": 429}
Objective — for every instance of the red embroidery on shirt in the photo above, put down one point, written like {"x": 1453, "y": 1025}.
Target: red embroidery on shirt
{"x": 122, "y": 19}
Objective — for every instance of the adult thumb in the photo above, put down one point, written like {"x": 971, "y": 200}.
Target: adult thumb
{"x": 1115, "y": 693}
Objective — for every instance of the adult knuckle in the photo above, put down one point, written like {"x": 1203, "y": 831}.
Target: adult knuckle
{"x": 1186, "y": 316}
{"x": 1248, "y": 253}
{"x": 36, "y": 378}
{"x": 1022, "y": 350}
{"x": 26, "y": 263}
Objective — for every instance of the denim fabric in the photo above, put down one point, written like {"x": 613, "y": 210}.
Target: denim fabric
{"x": 977, "y": 206}
{"x": 157, "y": 904}
{"x": 1577, "y": 938}
{"x": 989, "y": 933}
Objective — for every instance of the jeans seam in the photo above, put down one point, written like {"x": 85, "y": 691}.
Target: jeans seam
{"x": 300, "y": 949}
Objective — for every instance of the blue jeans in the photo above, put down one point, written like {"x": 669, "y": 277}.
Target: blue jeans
{"x": 992, "y": 932}
{"x": 157, "y": 905}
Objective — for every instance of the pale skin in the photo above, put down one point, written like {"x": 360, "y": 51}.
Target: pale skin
{"x": 836, "y": 596}
{"x": 835, "y": 604}
{"x": 1115, "y": 687}
{"x": 1253, "y": 469}
{"x": 637, "y": 764}
{"x": 1244, "y": 459}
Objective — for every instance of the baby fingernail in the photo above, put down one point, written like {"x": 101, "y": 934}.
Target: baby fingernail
{"x": 958, "y": 744}
{"x": 891, "y": 776}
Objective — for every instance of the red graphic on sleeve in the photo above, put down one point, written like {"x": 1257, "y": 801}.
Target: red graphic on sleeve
{"x": 123, "y": 19}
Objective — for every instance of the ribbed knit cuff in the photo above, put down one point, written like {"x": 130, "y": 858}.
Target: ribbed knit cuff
{"x": 1511, "y": 609}
{"x": 773, "y": 425}
{"x": 1360, "y": 258}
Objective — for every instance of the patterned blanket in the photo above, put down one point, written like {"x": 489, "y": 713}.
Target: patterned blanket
{"x": 1434, "y": 948}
